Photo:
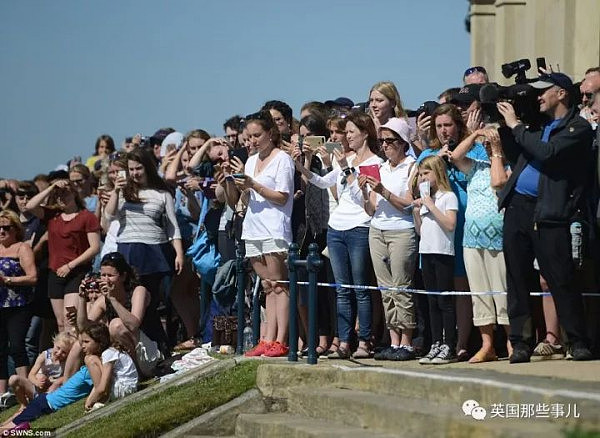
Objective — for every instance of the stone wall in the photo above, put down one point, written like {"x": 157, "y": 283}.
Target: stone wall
{"x": 565, "y": 32}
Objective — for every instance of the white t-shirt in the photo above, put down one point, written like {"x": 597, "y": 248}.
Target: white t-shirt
{"x": 124, "y": 373}
{"x": 350, "y": 212}
{"x": 264, "y": 219}
{"x": 388, "y": 217}
{"x": 434, "y": 239}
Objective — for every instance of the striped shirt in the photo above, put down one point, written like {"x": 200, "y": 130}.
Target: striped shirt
{"x": 151, "y": 221}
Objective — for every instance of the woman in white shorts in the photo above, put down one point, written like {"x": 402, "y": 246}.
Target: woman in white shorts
{"x": 267, "y": 228}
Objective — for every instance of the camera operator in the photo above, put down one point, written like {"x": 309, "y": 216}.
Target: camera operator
{"x": 551, "y": 172}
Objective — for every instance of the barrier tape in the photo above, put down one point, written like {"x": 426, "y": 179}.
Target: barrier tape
{"x": 420, "y": 291}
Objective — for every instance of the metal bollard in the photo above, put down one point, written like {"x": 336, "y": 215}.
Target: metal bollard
{"x": 293, "y": 261}
{"x": 313, "y": 265}
{"x": 241, "y": 300}
{"x": 256, "y": 312}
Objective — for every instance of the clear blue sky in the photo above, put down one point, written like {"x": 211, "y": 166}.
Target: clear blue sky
{"x": 72, "y": 70}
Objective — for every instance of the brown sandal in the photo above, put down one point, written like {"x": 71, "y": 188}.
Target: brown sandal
{"x": 362, "y": 353}
{"x": 481, "y": 356}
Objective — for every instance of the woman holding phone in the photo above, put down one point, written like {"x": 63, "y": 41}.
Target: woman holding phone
{"x": 392, "y": 237}
{"x": 348, "y": 232}
{"x": 267, "y": 228}
{"x": 149, "y": 236}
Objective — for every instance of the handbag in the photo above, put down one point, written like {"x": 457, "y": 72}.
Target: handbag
{"x": 203, "y": 251}
{"x": 224, "y": 330}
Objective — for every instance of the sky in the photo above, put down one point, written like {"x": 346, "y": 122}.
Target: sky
{"x": 72, "y": 70}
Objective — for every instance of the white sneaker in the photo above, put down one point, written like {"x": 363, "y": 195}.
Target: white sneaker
{"x": 433, "y": 352}
{"x": 7, "y": 400}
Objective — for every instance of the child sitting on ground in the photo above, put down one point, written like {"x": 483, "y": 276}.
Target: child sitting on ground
{"x": 46, "y": 375}
{"x": 119, "y": 378}
{"x": 94, "y": 339}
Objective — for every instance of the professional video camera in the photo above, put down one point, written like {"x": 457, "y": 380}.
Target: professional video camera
{"x": 521, "y": 95}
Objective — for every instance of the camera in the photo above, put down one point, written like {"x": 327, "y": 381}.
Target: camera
{"x": 521, "y": 95}
{"x": 428, "y": 107}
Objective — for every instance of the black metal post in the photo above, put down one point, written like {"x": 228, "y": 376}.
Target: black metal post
{"x": 313, "y": 265}
{"x": 293, "y": 323}
{"x": 256, "y": 312}
{"x": 241, "y": 300}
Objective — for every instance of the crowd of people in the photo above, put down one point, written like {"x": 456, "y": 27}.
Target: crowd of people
{"x": 445, "y": 198}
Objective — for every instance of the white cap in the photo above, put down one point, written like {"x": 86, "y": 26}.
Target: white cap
{"x": 399, "y": 126}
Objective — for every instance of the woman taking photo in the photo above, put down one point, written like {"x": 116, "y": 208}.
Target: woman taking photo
{"x": 392, "y": 238}
{"x": 148, "y": 233}
{"x": 122, "y": 305}
{"x": 267, "y": 227}
{"x": 73, "y": 242}
{"x": 17, "y": 276}
{"x": 348, "y": 232}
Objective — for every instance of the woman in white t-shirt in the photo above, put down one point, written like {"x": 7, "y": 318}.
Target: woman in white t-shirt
{"x": 267, "y": 228}
{"x": 392, "y": 238}
{"x": 348, "y": 233}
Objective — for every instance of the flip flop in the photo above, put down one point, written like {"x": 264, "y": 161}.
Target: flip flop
{"x": 481, "y": 356}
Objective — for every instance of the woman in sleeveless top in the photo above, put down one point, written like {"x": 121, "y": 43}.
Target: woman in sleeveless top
{"x": 17, "y": 275}
{"x": 123, "y": 306}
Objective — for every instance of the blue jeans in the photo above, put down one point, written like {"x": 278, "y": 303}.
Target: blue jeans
{"x": 350, "y": 262}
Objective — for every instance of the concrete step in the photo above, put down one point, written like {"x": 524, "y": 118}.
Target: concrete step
{"x": 444, "y": 386}
{"x": 411, "y": 417}
{"x": 290, "y": 426}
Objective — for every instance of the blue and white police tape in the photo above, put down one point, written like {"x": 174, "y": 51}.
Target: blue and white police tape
{"x": 420, "y": 291}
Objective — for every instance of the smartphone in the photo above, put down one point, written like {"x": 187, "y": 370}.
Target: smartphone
{"x": 240, "y": 153}
{"x": 541, "y": 63}
{"x": 314, "y": 142}
{"x": 182, "y": 181}
{"x": 372, "y": 171}
{"x": 330, "y": 146}
{"x": 239, "y": 175}
{"x": 71, "y": 309}
{"x": 122, "y": 174}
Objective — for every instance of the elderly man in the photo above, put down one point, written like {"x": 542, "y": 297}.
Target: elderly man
{"x": 552, "y": 171}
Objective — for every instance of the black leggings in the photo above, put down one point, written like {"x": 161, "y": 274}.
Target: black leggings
{"x": 14, "y": 323}
{"x": 438, "y": 275}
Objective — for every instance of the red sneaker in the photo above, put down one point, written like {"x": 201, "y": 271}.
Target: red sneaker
{"x": 277, "y": 350}
{"x": 259, "y": 350}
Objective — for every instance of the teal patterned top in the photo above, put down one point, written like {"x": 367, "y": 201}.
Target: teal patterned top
{"x": 483, "y": 222}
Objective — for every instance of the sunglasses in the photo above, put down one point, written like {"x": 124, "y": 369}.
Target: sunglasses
{"x": 5, "y": 227}
{"x": 477, "y": 69}
{"x": 388, "y": 140}
{"x": 25, "y": 195}
{"x": 587, "y": 95}
{"x": 261, "y": 115}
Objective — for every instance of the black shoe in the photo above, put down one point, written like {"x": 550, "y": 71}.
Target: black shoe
{"x": 520, "y": 355}
{"x": 402, "y": 354}
{"x": 579, "y": 351}
{"x": 384, "y": 354}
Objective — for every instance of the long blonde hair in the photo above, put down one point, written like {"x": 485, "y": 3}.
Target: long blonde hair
{"x": 389, "y": 90}
{"x": 438, "y": 167}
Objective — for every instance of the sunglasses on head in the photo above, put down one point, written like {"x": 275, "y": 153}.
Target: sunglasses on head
{"x": 476, "y": 69}
{"x": 114, "y": 256}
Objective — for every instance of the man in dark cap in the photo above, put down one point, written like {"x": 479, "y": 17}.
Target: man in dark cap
{"x": 552, "y": 173}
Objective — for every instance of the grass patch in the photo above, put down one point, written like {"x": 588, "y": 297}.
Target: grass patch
{"x": 168, "y": 409}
